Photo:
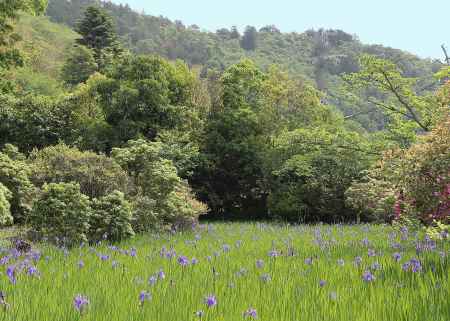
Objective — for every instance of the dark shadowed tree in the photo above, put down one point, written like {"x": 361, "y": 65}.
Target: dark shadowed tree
{"x": 249, "y": 39}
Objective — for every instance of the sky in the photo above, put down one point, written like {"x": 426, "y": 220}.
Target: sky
{"x": 417, "y": 26}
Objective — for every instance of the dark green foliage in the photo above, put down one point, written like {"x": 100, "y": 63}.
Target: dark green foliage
{"x": 34, "y": 121}
{"x": 312, "y": 169}
{"x": 61, "y": 214}
{"x": 97, "y": 175}
{"x": 79, "y": 66}
{"x": 5, "y": 208}
{"x": 249, "y": 39}
{"x": 111, "y": 218}
{"x": 98, "y": 33}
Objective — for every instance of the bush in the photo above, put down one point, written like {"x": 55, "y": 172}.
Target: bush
{"x": 5, "y": 208}
{"x": 97, "y": 175}
{"x": 409, "y": 184}
{"x": 111, "y": 218}
{"x": 14, "y": 175}
{"x": 178, "y": 210}
{"x": 61, "y": 213}
{"x": 160, "y": 197}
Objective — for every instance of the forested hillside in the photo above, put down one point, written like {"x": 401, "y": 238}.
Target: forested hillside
{"x": 317, "y": 56}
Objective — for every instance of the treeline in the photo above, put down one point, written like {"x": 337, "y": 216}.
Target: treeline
{"x": 138, "y": 142}
{"x": 319, "y": 57}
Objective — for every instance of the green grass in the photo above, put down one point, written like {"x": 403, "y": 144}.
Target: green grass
{"x": 293, "y": 293}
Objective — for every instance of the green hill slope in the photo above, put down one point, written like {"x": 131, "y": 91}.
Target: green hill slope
{"x": 45, "y": 45}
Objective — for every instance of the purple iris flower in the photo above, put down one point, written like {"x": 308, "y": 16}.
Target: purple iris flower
{"x": 183, "y": 261}
{"x": 80, "y": 264}
{"x": 152, "y": 280}
{"x": 251, "y": 313}
{"x": 211, "y": 301}
{"x": 80, "y": 303}
{"x": 371, "y": 253}
{"x": 144, "y": 296}
{"x": 397, "y": 256}
{"x": 161, "y": 275}
{"x": 308, "y": 261}
{"x": 259, "y": 264}
{"x": 368, "y": 277}
{"x": 194, "y": 261}
{"x": 322, "y": 283}
{"x": 358, "y": 260}
{"x": 32, "y": 271}
{"x": 11, "y": 273}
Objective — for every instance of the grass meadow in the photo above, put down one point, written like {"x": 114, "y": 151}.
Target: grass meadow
{"x": 235, "y": 271}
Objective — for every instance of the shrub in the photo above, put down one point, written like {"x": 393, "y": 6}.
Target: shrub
{"x": 111, "y": 218}
{"x": 97, "y": 175}
{"x": 160, "y": 197}
{"x": 61, "y": 213}
{"x": 5, "y": 208}
{"x": 14, "y": 175}
{"x": 409, "y": 184}
{"x": 178, "y": 210}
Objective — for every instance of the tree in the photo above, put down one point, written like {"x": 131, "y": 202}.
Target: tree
{"x": 235, "y": 33}
{"x": 230, "y": 178}
{"x": 249, "y": 39}
{"x": 98, "y": 33}
{"x": 79, "y": 66}
{"x": 382, "y": 84}
{"x": 144, "y": 95}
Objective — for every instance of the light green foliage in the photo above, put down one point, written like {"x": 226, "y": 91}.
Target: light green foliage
{"x": 160, "y": 196}
{"x": 45, "y": 47}
{"x": 80, "y": 65}
{"x": 111, "y": 218}
{"x": 14, "y": 175}
{"x": 144, "y": 95}
{"x": 61, "y": 214}
{"x": 10, "y": 55}
{"x": 97, "y": 175}
{"x": 383, "y": 85}
{"x": 5, "y": 208}
{"x": 312, "y": 168}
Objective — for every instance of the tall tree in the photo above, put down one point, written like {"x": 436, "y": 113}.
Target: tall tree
{"x": 98, "y": 33}
{"x": 249, "y": 39}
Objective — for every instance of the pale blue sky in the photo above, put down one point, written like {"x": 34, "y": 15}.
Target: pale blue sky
{"x": 416, "y": 26}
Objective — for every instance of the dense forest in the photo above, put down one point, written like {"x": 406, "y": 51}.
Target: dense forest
{"x": 114, "y": 122}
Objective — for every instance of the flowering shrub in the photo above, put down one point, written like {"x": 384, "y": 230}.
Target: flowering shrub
{"x": 411, "y": 183}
